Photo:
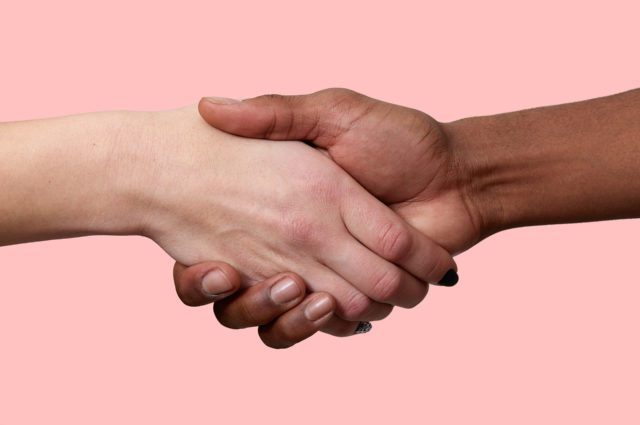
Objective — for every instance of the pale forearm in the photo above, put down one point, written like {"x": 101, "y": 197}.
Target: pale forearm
{"x": 559, "y": 164}
{"x": 64, "y": 177}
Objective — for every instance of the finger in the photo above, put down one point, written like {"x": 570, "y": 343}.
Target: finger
{"x": 343, "y": 328}
{"x": 377, "y": 278}
{"x": 265, "y": 117}
{"x": 261, "y": 303}
{"x": 205, "y": 283}
{"x": 351, "y": 303}
{"x": 300, "y": 322}
{"x": 386, "y": 234}
{"x": 305, "y": 117}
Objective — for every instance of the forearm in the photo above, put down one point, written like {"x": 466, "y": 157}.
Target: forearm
{"x": 560, "y": 164}
{"x": 65, "y": 177}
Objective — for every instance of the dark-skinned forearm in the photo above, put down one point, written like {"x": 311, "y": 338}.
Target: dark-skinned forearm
{"x": 560, "y": 164}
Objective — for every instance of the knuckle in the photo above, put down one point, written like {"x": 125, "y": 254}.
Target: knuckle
{"x": 341, "y": 93}
{"x": 387, "y": 284}
{"x": 282, "y": 119}
{"x": 347, "y": 107}
{"x": 302, "y": 226}
{"x": 271, "y": 97}
{"x": 394, "y": 242}
{"x": 301, "y": 231}
{"x": 356, "y": 307}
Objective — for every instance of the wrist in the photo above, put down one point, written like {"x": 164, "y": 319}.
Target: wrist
{"x": 159, "y": 154}
{"x": 489, "y": 173}
{"x": 115, "y": 167}
{"x": 536, "y": 166}
{"x": 134, "y": 163}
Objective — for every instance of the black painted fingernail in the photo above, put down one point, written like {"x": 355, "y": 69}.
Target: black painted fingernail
{"x": 363, "y": 328}
{"x": 450, "y": 278}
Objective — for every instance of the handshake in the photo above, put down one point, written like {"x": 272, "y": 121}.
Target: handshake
{"x": 324, "y": 235}
{"x": 321, "y": 212}
{"x": 327, "y": 238}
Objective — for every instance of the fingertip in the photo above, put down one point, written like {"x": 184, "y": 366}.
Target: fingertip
{"x": 319, "y": 307}
{"x": 261, "y": 303}
{"x": 210, "y": 110}
{"x": 285, "y": 289}
{"x": 231, "y": 274}
{"x": 299, "y": 323}
{"x": 216, "y": 286}
{"x": 444, "y": 271}
{"x": 204, "y": 104}
{"x": 213, "y": 101}
{"x": 296, "y": 278}
{"x": 205, "y": 282}
{"x": 449, "y": 279}
{"x": 427, "y": 260}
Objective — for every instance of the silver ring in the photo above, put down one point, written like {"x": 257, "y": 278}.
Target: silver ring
{"x": 363, "y": 328}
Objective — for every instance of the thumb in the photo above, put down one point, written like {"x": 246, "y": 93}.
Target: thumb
{"x": 274, "y": 117}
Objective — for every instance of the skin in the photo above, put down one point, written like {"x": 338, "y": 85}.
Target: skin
{"x": 199, "y": 193}
{"x": 458, "y": 182}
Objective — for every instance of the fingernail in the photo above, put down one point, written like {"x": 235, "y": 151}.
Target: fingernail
{"x": 363, "y": 328}
{"x": 317, "y": 309}
{"x": 450, "y": 278}
{"x": 215, "y": 283}
{"x": 222, "y": 100}
{"x": 286, "y": 290}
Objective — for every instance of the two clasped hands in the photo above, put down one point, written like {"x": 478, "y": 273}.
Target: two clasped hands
{"x": 325, "y": 235}
{"x": 356, "y": 254}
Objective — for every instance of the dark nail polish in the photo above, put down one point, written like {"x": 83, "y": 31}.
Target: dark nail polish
{"x": 450, "y": 278}
{"x": 363, "y": 328}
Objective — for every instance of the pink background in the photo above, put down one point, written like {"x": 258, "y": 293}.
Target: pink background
{"x": 543, "y": 327}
